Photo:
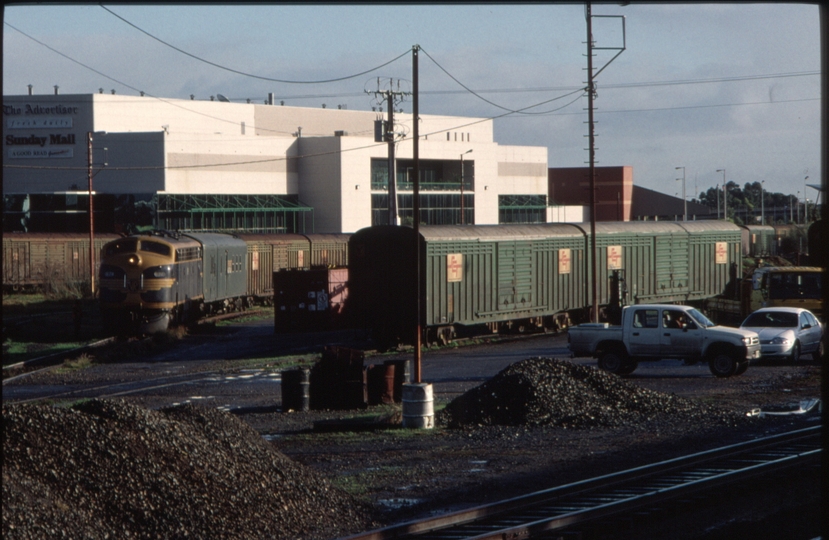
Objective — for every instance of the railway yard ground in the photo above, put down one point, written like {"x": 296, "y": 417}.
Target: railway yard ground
{"x": 189, "y": 439}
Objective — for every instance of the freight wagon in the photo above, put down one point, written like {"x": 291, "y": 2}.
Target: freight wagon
{"x": 48, "y": 260}
{"x": 527, "y": 277}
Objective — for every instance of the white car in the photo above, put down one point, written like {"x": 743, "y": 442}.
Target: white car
{"x": 786, "y": 332}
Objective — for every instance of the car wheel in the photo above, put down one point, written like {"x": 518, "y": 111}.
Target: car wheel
{"x": 818, "y": 354}
{"x": 723, "y": 365}
{"x": 795, "y": 357}
{"x": 612, "y": 362}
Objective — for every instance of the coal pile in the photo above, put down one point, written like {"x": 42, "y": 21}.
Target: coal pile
{"x": 107, "y": 469}
{"x": 552, "y": 392}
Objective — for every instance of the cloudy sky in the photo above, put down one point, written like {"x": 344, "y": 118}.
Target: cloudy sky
{"x": 700, "y": 86}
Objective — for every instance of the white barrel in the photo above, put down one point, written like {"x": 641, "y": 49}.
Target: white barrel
{"x": 418, "y": 406}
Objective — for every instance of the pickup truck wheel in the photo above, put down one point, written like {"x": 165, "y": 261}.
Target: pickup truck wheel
{"x": 741, "y": 368}
{"x": 612, "y": 362}
{"x": 629, "y": 367}
{"x": 723, "y": 365}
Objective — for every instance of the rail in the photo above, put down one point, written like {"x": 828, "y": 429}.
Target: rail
{"x": 605, "y": 496}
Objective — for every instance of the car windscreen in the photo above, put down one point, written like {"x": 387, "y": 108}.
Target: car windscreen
{"x": 771, "y": 319}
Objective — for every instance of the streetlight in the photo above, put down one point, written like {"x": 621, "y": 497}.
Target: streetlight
{"x": 462, "y": 183}
{"x": 684, "y": 201}
{"x": 724, "y": 195}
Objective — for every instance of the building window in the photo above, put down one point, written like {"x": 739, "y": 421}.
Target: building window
{"x": 522, "y": 209}
{"x": 435, "y": 209}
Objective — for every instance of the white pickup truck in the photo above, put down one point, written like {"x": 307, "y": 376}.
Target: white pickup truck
{"x": 654, "y": 332}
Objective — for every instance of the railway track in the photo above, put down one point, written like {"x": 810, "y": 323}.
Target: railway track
{"x": 590, "y": 503}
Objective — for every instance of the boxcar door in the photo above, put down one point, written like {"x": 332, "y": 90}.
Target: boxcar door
{"x": 515, "y": 276}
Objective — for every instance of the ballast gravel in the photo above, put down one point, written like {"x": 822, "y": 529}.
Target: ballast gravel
{"x": 114, "y": 469}
{"x": 554, "y": 392}
{"x": 108, "y": 469}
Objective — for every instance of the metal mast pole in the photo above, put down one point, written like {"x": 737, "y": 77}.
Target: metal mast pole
{"x": 416, "y": 210}
{"x": 91, "y": 218}
{"x": 594, "y": 316}
{"x": 392, "y": 172}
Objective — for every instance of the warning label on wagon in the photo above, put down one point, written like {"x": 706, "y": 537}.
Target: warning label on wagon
{"x": 614, "y": 257}
{"x": 454, "y": 267}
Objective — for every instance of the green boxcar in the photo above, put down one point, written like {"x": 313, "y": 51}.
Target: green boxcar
{"x": 504, "y": 276}
{"x": 225, "y": 261}
{"x": 529, "y": 277}
{"x": 759, "y": 241}
{"x": 714, "y": 257}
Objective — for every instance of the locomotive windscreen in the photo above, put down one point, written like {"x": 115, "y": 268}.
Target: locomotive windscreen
{"x": 126, "y": 245}
{"x": 156, "y": 247}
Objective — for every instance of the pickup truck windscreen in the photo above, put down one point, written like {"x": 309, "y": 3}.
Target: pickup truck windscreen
{"x": 701, "y": 319}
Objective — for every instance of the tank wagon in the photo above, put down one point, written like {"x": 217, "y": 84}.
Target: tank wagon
{"x": 150, "y": 281}
{"x": 530, "y": 277}
{"x": 48, "y": 260}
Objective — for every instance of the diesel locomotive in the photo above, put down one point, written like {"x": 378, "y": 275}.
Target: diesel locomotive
{"x": 150, "y": 281}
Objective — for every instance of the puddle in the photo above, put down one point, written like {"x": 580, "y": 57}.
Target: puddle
{"x": 479, "y": 467}
{"x": 398, "y": 503}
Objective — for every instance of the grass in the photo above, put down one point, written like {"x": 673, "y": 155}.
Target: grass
{"x": 81, "y": 362}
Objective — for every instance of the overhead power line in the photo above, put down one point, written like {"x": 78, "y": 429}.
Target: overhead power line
{"x": 270, "y": 79}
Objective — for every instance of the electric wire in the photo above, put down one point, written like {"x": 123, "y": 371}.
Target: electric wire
{"x": 260, "y": 77}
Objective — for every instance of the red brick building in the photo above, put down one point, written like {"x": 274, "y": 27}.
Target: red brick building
{"x": 614, "y": 190}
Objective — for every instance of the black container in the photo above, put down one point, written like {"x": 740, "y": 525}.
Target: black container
{"x": 296, "y": 390}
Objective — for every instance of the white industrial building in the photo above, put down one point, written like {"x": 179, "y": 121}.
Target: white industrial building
{"x": 217, "y": 165}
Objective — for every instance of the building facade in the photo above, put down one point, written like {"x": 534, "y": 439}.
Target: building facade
{"x": 216, "y": 165}
{"x": 613, "y": 185}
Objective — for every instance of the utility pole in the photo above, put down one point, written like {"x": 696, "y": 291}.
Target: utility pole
{"x": 724, "y": 195}
{"x": 392, "y": 97}
{"x": 591, "y": 92}
{"x": 91, "y": 218}
{"x": 416, "y": 208}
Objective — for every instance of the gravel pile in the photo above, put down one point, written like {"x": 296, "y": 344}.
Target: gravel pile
{"x": 108, "y": 469}
{"x": 547, "y": 391}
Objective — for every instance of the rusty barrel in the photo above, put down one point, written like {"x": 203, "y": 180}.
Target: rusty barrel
{"x": 402, "y": 375}
{"x": 380, "y": 383}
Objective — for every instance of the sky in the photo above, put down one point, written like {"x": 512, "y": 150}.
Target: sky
{"x": 726, "y": 91}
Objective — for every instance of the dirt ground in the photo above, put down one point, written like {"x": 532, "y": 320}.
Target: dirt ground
{"x": 402, "y": 474}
